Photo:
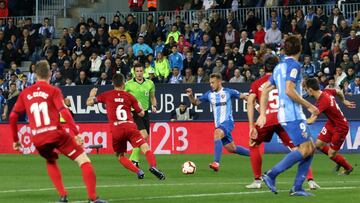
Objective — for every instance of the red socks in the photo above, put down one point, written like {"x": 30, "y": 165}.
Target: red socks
{"x": 339, "y": 159}
{"x": 128, "y": 164}
{"x": 310, "y": 175}
{"x": 256, "y": 161}
{"x": 150, "y": 158}
{"x": 55, "y": 176}
{"x": 89, "y": 179}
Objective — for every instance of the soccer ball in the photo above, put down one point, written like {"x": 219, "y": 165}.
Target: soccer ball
{"x": 189, "y": 167}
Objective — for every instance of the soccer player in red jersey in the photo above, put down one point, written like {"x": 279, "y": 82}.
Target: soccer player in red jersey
{"x": 336, "y": 128}
{"x": 260, "y": 135}
{"x": 43, "y": 104}
{"x": 123, "y": 129}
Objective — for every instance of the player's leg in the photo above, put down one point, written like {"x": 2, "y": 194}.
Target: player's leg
{"x": 288, "y": 142}
{"x": 218, "y": 135}
{"x": 143, "y": 125}
{"x": 228, "y": 143}
{"x": 53, "y": 170}
{"x": 72, "y": 150}
{"x": 298, "y": 132}
{"x": 150, "y": 157}
{"x": 329, "y": 135}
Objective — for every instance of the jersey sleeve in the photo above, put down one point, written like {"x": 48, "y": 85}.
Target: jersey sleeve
{"x": 234, "y": 93}
{"x": 322, "y": 104}
{"x": 100, "y": 98}
{"x": 58, "y": 100}
{"x": 205, "y": 97}
{"x": 19, "y": 107}
{"x": 292, "y": 72}
{"x": 152, "y": 88}
{"x": 271, "y": 80}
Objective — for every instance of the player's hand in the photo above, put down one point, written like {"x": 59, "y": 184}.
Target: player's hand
{"x": 349, "y": 104}
{"x": 79, "y": 140}
{"x": 17, "y": 146}
{"x": 153, "y": 109}
{"x": 253, "y": 133}
{"x": 93, "y": 92}
{"x": 189, "y": 92}
{"x": 313, "y": 110}
{"x": 261, "y": 121}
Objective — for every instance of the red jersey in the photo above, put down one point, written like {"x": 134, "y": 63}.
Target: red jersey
{"x": 118, "y": 105}
{"x": 273, "y": 102}
{"x": 326, "y": 103}
{"x": 42, "y": 104}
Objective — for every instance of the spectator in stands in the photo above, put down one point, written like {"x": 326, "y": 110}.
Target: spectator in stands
{"x": 238, "y": 78}
{"x": 179, "y": 24}
{"x": 4, "y": 11}
{"x": 356, "y": 64}
{"x": 135, "y": 5}
{"x": 4, "y": 86}
{"x": 245, "y": 42}
{"x": 250, "y": 22}
{"x": 321, "y": 16}
{"x": 256, "y": 66}
{"x": 228, "y": 73}
{"x": 103, "y": 80}
{"x": 232, "y": 21}
{"x": 182, "y": 43}
{"x": 352, "y": 43}
{"x": 141, "y": 46}
{"x": 121, "y": 66}
{"x": 273, "y": 36}
{"x": 67, "y": 71}
{"x": 10, "y": 54}
{"x": 26, "y": 45}
{"x": 12, "y": 97}
{"x": 219, "y": 67}
{"x": 174, "y": 33}
{"x": 339, "y": 76}
{"x": 209, "y": 31}
{"x": 101, "y": 39}
{"x": 350, "y": 75}
{"x": 196, "y": 35}
{"x": 347, "y": 63}
{"x": 59, "y": 80}
{"x": 201, "y": 76}
{"x": 95, "y": 64}
{"x": 344, "y": 29}
{"x": 249, "y": 56}
{"x": 189, "y": 62}
{"x": 335, "y": 18}
{"x": 354, "y": 87}
{"x": 24, "y": 83}
{"x": 273, "y": 18}
{"x": 308, "y": 68}
{"x": 47, "y": 30}
{"x": 162, "y": 68}
{"x": 300, "y": 21}
{"x": 69, "y": 82}
{"x": 11, "y": 29}
{"x": 231, "y": 36}
{"x": 3, "y": 106}
{"x": 335, "y": 55}
{"x": 176, "y": 77}
{"x": 189, "y": 77}
{"x": 176, "y": 59}
{"x": 327, "y": 67}
{"x": 31, "y": 74}
{"x": 259, "y": 36}
{"x": 285, "y": 22}
{"x": 249, "y": 77}
{"x": 83, "y": 79}
{"x": 183, "y": 113}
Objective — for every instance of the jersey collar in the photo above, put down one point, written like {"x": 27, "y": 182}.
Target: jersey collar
{"x": 137, "y": 81}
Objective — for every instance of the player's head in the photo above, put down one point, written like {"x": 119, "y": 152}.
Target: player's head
{"x": 139, "y": 71}
{"x": 118, "y": 80}
{"x": 270, "y": 64}
{"x": 292, "y": 46}
{"x": 215, "y": 81}
{"x": 42, "y": 70}
{"x": 312, "y": 86}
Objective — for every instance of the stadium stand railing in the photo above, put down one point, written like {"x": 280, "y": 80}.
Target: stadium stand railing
{"x": 263, "y": 13}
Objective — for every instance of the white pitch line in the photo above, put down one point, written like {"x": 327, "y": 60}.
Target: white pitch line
{"x": 211, "y": 195}
{"x": 160, "y": 184}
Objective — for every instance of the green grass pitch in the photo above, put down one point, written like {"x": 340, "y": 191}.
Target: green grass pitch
{"x": 24, "y": 179}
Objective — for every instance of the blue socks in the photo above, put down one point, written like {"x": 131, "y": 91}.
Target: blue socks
{"x": 242, "y": 151}
{"x": 218, "y": 151}
{"x": 288, "y": 161}
{"x": 302, "y": 171}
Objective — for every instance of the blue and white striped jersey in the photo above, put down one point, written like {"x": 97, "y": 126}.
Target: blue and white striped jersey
{"x": 288, "y": 70}
{"x": 221, "y": 104}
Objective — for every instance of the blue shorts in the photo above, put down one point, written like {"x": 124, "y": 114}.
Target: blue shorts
{"x": 227, "y": 128}
{"x": 298, "y": 131}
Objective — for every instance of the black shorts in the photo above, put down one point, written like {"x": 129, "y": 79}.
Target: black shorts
{"x": 142, "y": 122}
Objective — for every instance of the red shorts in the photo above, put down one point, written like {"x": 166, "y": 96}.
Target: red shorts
{"x": 335, "y": 136}
{"x": 126, "y": 132}
{"x": 47, "y": 142}
{"x": 265, "y": 134}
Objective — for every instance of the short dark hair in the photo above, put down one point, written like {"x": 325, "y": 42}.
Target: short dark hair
{"x": 118, "y": 80}
{"x": 42, "y": 69}
{"x": 312, "y": 83}
{"x": 270, "y": 63}
{"x": 292, "y": 46}
{"x": 216, "y": 75}
{"x": 138, "y": 65}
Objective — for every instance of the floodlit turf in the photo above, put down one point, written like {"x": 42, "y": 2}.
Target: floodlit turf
{"x": 24, "y": 179}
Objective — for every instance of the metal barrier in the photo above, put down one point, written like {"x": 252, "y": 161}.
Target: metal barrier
{"x": 53, "y": 7}
{"x": 19, "y": 20}
{"x": 190, "y": 16}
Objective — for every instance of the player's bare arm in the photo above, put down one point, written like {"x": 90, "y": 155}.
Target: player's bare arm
{"x": 244, "y": 97}
{"x": 263, "y": 103}
{"x": 347, "y": 103}
{"x": 4, "y": 115}
{"x": 312, "y": 119}
{"x": 250, "y": 113}
{"x": 153, "y": 102}
{"x": 192, "y": 99}
{"x": 291, "y": 92}
{"x": 91, "y": 99}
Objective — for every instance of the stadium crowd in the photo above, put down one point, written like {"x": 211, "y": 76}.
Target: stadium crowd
{"x": 92, "y": 51}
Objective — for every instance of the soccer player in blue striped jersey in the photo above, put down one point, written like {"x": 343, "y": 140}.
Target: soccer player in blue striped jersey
{"x": 220, "y": 100}
{"x": 287, "y": 78}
